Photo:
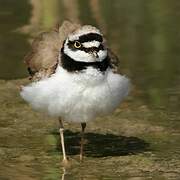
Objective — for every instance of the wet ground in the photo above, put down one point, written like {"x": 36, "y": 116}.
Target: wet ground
{"x": 141, "y": 140}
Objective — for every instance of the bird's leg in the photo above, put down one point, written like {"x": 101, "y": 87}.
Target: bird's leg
{"x": 83, "y": 126}
{"x": 61, "y": 131}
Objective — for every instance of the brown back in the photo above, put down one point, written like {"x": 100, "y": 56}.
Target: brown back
{"x": 43, "y": 58}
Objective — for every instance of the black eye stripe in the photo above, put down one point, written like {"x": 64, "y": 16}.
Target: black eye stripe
{"x": 90, "y": 37}
{"x": 94, "y": 48}
{"x": 101, "y": 47}
{"x": 97, "y": 49}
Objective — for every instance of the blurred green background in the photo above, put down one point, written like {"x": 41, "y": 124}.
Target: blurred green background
{"x": 146, "y": 37}
{"x": 144, "y": 34}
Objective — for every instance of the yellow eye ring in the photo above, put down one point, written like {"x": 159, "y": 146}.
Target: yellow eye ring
{"x": 77, "y": 44}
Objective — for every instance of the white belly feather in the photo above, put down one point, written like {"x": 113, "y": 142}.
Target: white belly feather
{"x": 77, "y": 97}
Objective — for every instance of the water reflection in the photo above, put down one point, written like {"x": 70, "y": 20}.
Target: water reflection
{"x": 103, "y": 145}
{"x": 63, "y": 174}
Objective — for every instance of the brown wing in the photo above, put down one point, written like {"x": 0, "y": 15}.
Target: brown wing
{"x": 113, "y": 60}
{"x": 43, "y": 58}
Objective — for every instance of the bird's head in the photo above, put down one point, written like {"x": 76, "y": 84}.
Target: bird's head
{"x": 85, "y": 45}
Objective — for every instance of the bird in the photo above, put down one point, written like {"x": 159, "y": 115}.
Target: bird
{"x": 74, "y": 77}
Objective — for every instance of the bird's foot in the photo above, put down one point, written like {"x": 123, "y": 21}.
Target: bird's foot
{"x": 65, "y": 162}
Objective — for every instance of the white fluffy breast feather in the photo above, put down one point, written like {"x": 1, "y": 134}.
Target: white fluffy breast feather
{"x": 77, "y": 97}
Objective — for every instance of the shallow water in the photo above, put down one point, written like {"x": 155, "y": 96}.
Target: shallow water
{"x": 141, "y": 139}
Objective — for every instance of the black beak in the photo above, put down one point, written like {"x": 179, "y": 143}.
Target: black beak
{"x": 95, "y": 54}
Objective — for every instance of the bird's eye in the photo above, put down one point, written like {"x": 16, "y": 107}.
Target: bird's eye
{"x": 77, "y": 44}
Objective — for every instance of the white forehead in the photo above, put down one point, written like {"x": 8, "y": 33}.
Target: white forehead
{"x": 82, "y": 31}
